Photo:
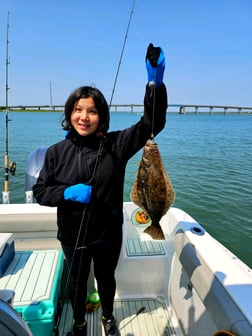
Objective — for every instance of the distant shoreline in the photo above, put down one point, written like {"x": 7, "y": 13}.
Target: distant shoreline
{"x": 249, "y": 113}
{"x": 182, "y": 109}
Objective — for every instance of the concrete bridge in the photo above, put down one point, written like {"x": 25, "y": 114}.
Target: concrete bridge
{"x": 214, "y": 109}
{"x": 137, "y": 108}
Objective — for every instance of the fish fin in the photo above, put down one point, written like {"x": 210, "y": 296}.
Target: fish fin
{"x": 155, "y": 232}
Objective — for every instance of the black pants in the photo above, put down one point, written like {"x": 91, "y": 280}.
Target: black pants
{"x": 105, "y": 255}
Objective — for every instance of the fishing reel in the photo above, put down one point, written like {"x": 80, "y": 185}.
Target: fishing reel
{"x": 12, "y": 168}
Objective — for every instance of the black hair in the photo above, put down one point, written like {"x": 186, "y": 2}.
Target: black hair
{"x": 100, "y": 103}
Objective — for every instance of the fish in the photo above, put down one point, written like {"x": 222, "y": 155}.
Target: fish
{"x": 152, "y": 190}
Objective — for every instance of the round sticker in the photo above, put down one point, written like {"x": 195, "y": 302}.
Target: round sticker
{"x": 140, "y": 218}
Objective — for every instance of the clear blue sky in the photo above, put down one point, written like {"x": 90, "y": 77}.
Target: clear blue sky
{"x": 207, "y": 44}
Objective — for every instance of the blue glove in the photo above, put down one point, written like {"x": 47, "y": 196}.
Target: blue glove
{"x": 78, "y": 193}
{"x": 155, "y": 64}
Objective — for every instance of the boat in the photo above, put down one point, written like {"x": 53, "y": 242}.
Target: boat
{"x": 186, "y": 285}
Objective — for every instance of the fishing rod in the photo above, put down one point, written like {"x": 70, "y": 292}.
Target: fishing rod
{"x": 6, "y": 157}
{"x": 141, "y": 310}
{"x": 121, "y": 56}
{"x": 56, "y": 329}
{"x": 8, "y": 167}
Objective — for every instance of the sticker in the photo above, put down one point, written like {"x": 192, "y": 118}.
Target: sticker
{"x": 140, "y": 218}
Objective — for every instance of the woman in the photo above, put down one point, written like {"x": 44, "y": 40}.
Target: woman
{"x": 83, "y": 176}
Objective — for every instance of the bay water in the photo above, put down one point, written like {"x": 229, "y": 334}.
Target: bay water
{"x": 208, "y": 158}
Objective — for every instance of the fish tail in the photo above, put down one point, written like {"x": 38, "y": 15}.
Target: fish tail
{"x": 155, "y": 232}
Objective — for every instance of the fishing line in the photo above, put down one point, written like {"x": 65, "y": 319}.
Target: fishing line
{"x": 152, "y": 84}
{"x": 120, "y": 60}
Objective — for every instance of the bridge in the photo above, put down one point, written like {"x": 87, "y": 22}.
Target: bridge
{"x": 137, "y": 108}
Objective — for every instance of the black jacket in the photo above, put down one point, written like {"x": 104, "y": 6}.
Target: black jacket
{"x": 77, "y": 159}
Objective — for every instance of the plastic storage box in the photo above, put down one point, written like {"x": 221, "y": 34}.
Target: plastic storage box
{"x": 35, "y": 276}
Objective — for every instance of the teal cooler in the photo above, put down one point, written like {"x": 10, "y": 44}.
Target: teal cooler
{"x": 35, "y": 276}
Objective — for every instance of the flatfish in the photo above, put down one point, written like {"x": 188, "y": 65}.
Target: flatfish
{"x": 152, "y": 190}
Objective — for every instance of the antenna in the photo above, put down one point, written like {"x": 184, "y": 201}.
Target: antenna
{"x": 51, "y": 102}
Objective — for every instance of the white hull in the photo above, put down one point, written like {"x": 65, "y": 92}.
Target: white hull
{"x": 203, "y": 286}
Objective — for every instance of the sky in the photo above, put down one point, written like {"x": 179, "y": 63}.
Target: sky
{"x": 64, "y": 44}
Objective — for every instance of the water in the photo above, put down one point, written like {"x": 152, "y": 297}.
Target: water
{"x": 208, "y": 158}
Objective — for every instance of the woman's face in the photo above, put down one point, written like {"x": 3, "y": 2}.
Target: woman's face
{"x": 84, "y": 117}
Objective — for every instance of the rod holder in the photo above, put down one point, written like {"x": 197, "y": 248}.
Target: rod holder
{"x": 29, "y": 196}
{"x": 6, "y": 197}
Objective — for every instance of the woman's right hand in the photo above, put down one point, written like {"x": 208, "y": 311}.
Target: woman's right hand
{"x": 78, "y": 193}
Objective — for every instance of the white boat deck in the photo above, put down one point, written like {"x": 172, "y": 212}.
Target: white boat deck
{"x": 152, "y": 321}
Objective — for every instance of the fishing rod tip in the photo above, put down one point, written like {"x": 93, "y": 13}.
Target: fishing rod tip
{"x": 142, "y": 309}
